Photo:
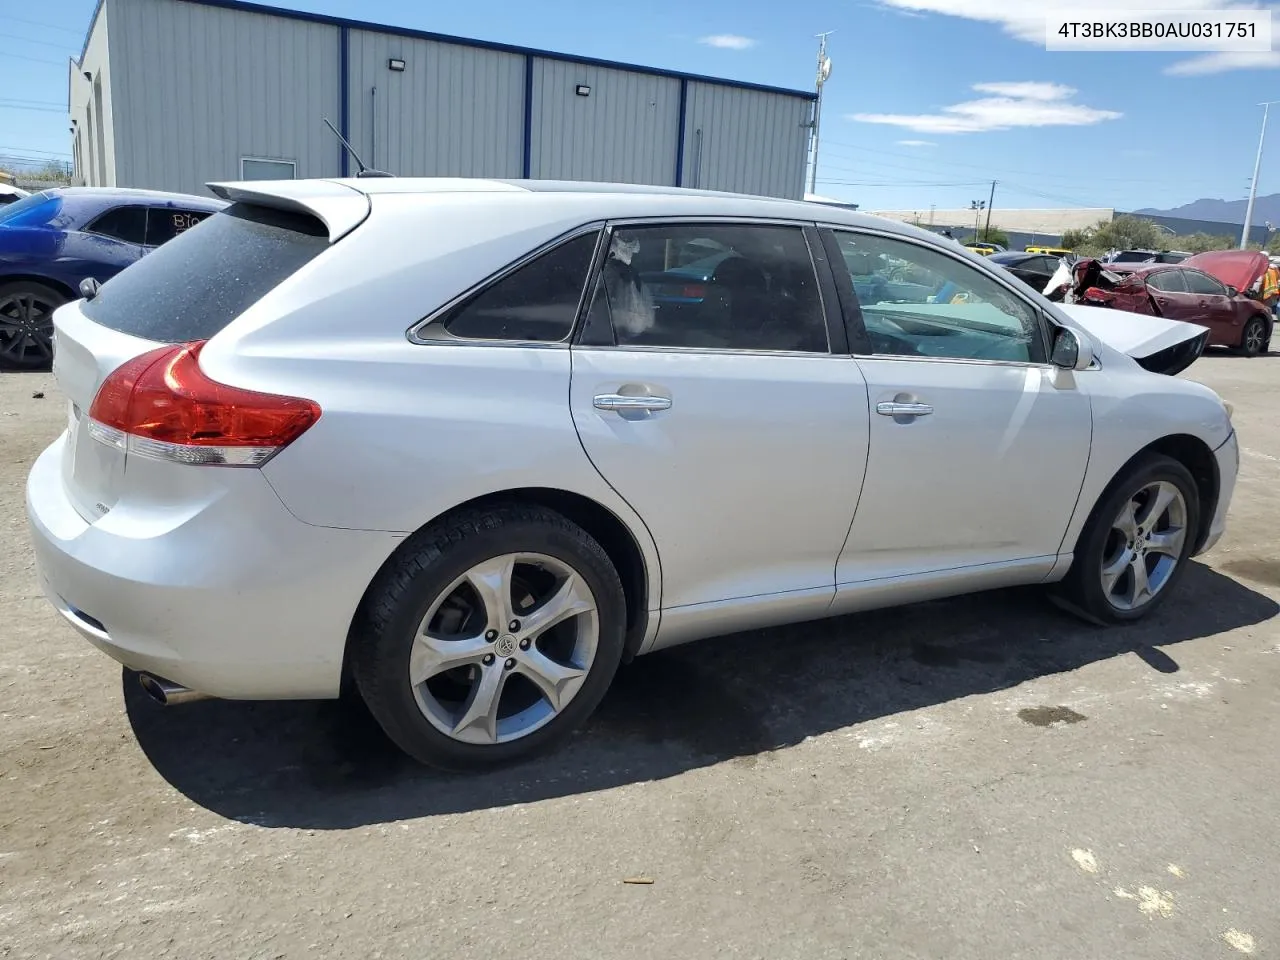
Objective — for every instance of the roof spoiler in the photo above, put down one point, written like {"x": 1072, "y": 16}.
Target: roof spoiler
{"x": 339, "y": 207}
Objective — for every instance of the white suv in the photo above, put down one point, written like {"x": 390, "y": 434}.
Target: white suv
{"x": 471, "y": 444}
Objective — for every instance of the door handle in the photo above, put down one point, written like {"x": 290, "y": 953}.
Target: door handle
{"x": 893, "y": 408}
{"x": 619, "y": 403}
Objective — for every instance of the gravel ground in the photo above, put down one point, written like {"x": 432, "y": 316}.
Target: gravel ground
{"x": 977, "y": 778}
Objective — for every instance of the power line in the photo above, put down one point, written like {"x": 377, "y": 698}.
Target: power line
{"x": 40, "y": 43}
{"x": 15, "y": 106}
{"x": 34, "y": 103}
{"x": 18, "y": 56}
{"x": 984, "y": 167}
{"x": 40, "y": 23}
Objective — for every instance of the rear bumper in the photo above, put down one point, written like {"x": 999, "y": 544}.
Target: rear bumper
{"x": 233, "y": 597}
{"x": 1228, "y": 457}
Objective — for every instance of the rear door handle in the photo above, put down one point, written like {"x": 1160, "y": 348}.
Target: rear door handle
{"x": 619, "y": 403}
{"x": 893, "y": 408}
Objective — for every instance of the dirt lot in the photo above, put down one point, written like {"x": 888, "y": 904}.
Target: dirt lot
{"x": 981, "y": 778}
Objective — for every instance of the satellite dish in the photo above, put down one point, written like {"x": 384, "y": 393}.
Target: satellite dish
{"x": 824, "y": 70}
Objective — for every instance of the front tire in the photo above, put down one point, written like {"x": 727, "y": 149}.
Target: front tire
{"x": 26, "y": 325}
{"x": 1253, "y": 339}
{"x": 490, "y": 638}
{"x": 1136, "y": 544}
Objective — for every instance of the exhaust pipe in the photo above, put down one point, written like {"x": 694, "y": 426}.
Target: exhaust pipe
{"x": 166, "y": 692}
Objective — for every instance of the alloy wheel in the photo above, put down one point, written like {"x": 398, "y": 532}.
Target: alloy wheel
{"x": 1253, "y": 337}
{"x": 504, "y": 648}
{"x": 26, "y": 330}
{"x": 1144, "y": 545}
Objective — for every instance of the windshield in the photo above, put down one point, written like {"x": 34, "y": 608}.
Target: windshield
{"x": 33, "y": 211}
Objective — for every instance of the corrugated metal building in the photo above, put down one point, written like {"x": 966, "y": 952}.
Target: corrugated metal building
{"x": 172, "y": 94}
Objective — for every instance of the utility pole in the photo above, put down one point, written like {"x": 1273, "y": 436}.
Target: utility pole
{"x": 824, "y": 71}
{"x": 1257, "y": 165}
{"x": 990, "y": 203}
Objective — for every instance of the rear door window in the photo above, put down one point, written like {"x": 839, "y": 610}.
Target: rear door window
{"x": 193, "y": 286}
{"x": 122, "y": 223}
{"x": 716, "y": 286}
{"x": 1167, "y": 281}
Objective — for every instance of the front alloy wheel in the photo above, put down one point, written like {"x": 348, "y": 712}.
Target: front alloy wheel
{"x": 1254, "y": 339}
{"x": 1144, "y": 546}
{"x": 1136, "y": 543}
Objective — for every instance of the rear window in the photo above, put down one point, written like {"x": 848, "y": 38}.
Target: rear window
{"x": 33, "y": 211}
{"x": 201, "y": 280}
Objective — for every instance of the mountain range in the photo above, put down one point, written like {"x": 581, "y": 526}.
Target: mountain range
{"x": 1227, "y": 211}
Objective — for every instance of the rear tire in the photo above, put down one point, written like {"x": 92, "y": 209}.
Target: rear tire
{"x": 490, "y": 638}
{"x": 26, "y": 325}
{"x": 1253, "y": 339}
{"x": 1134, "y": 547}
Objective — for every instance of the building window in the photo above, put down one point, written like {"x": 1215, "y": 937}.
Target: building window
{"x": 262, "y": 168}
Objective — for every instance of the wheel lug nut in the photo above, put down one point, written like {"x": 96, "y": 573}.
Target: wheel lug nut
{"x": 511, "y": 662}
{"x": 525, "y": 644}
{"x": 514, "y": 625}
{"x": 488, "y": 659}
{"x": 491, "y": 635}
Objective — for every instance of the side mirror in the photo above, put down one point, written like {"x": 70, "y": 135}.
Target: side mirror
{"x": 1071, "y": 350}
{"x": 89, "y": 288}
{"x": 1232, "y": 291}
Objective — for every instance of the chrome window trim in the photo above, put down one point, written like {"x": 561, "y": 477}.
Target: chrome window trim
{"x": 1038, "y": 310}
{"x": 658, "y": 220}
{"x": 422, "y": 334}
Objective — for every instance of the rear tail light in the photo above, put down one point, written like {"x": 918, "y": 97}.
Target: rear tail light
{"x": 161, "y": 405}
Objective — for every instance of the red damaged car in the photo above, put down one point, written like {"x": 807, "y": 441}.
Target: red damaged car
{"x": 1205, "y": 289}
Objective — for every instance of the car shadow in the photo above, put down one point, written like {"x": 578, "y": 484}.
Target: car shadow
{"x": 325, "y": 765}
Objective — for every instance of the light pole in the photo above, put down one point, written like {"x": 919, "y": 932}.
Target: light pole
{"x": 1257, "y": 165}
{"x": 824, "y": 71}
{"x": 977, "y": 206}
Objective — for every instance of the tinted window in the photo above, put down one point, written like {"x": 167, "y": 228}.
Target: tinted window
{"x": 165, "y": 223}
{"x": 192, "y": 287}
{"x": 1202, "y": 283}
{"x": 919, "y": 302}
{"x": 708, "y": 286}
{"x": 1168, "y": 281}
{"x": 537, "y": 302}
{"x": 123, "y": 223}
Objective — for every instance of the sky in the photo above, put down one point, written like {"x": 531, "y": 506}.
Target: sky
{"x": 928, "y": 100}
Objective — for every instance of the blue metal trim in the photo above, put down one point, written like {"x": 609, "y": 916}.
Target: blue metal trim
{"x": 344, "y": 91}
{"x": 245, "y": 7}
{"x": 84, "y": 47}
{"x": 684, "y": 103}
{"x": 528, "y": 116}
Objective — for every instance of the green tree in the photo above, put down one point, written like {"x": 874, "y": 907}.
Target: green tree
{"x": 994, "y": 235}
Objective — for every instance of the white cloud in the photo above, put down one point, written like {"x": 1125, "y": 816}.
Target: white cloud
{"x": 1222, "y": 62}
{"x": 915, "y": 143}
{"x": 728, "y": 41}
{"x": 1024, "y": 19}
{"x": 1023, "y": 104}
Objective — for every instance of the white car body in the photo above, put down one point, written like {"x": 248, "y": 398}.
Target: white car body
{"x": 770, "y": 492}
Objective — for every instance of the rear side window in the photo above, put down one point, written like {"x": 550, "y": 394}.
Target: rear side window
{"x": 193, "y": 286}
{"x": 535, "y": 302}
{"x": 122, "y": 223}
{"x": 165, "y": 223}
